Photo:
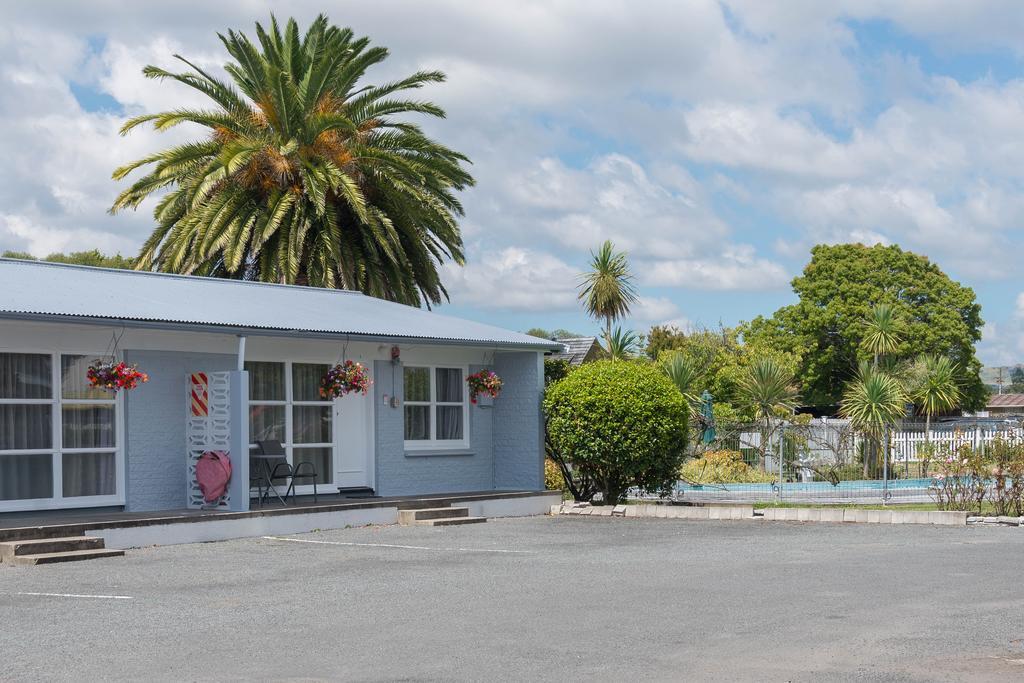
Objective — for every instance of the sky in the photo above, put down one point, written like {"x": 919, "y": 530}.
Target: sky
{"x": 715, "y": 142}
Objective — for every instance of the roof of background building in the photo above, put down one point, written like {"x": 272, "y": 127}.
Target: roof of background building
{"x": 42, "y": 290}
{"x": 576, "y": 349}
{"x": 1006, "y": 401}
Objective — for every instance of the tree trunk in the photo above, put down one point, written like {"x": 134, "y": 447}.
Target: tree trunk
{"x": 608, "y": 336}
{"x": 868, "y": 456}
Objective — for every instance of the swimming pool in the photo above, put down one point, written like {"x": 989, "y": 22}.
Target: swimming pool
{"x": 853, "y": 491}
{"x": 815, "y": 486}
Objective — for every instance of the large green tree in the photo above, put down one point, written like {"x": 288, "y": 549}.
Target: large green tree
{"x": 306, "y": 173}
{"x": 837, "y": 291}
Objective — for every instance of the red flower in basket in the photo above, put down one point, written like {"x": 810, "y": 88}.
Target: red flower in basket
{"x": 345, "y": 378}
{"x": 483, "y": 382}
{"x": 115, "y": 376}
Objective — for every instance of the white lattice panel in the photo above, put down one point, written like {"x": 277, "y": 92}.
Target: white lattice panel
{"x": 210, "y": 429}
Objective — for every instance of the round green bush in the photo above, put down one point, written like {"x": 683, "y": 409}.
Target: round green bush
{"x": 617, "y": 424}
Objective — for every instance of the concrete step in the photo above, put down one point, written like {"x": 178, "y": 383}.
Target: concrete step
{"x": 36, "y": 546}
{"x": 450, "y": 521}
{"x": 422, "y": 514}
{"x": 67, "y": 556}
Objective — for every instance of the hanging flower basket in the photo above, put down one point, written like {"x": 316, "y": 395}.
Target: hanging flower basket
{"x": 483, "y": 382}
{"x": 114, "y": 376}
{"x": 345, "y": 378}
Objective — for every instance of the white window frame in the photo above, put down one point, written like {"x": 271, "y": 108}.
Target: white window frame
{"x": 57, "y": 500}
{"x": 289, "y": 404}
{"x": 433, "y": 443}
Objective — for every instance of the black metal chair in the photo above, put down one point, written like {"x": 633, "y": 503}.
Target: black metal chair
{"x": 285, "y": 471}
{"x": 260, "y": 477}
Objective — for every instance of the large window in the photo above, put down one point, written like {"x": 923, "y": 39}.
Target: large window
{"x": 285, "y": 405}
{"x": 58, "y": 436}
{"x": 435, "y": 407}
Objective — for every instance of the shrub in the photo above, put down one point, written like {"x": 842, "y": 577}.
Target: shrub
{"x": 723, "y": 467}
{"x": 960, "y": 479}
{"x": 615, "y": 425}
{"x": 555, "y": 369}
{"x": 553, "y": 479}
{"x": 1006, "y": 461}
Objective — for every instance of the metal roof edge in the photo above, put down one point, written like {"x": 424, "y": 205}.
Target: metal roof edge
{"x": 130, "y": 272}
{"x": 269, "y": 331}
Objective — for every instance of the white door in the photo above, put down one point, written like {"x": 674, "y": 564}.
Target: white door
{"x": 353, "y": 452}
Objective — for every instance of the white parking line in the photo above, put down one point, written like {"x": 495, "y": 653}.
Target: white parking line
{"x": 78, "y": 595}
{"x": 402, "y": 547}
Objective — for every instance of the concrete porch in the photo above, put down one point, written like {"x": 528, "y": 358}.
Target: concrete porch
{"x": 121, "y": 529}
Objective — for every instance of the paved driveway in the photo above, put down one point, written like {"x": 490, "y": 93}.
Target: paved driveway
{"x": 534, "y": 599}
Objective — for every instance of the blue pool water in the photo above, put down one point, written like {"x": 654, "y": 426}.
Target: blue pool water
{"x": 816, "y": 486}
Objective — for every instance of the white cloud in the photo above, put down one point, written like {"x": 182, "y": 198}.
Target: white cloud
{"x": 514, "y": 279}
{"x": 649, "y": 311}
{"x": 736, "y": 268}
{"x": 685, "y": 131}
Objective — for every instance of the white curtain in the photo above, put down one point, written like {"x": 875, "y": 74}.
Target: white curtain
{"x": 449, "y": 390}
{"x": 417, "y": 423}
{"x": 89, "y": 474}
{"x": 26, "y": 476}
{"x": 266, "y": 381}
{"x": 27, "y": 426}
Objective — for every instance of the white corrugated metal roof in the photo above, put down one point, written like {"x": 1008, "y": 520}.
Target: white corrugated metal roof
{"x": 34, "y": 289}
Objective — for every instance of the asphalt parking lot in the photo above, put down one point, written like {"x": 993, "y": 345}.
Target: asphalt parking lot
{"x": 533, "y": 599}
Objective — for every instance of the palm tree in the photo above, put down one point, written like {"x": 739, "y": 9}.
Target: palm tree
{"x": 623, "y": 344}
{"x": 881, "y": 336}
{"x": 767, "y": 389}
{"x": 935, "y": 387}
{"x": 607, "y": 291}
{"x": 305, "y": 175}
{"x": 872, "y": 402}
{"x": 685, "y": 373}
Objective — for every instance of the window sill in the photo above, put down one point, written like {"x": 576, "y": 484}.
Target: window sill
{"x": 438, "y": 452}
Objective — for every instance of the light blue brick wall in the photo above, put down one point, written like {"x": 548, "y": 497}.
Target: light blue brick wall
{"x": 155, "y": 427}
{"x": 505, "y": 439}
{"x": 401, "y": 474}
{"x": 518, "y": 443}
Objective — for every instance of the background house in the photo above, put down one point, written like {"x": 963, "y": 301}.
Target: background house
{"x": 252, "y": 356}
{"x": 1005, "y": 404}
{"x": 578, "y": 350}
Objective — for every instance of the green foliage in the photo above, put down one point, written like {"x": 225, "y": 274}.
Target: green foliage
{"x": 553, "y": 479}
{"x": 685, "y": 374}
{"x": 607, "y": 290}
{"x": 881, "y": 331}
{"x": 873, "y": 401}
{"x": 557, "y": 333}
{"x": 615, "y": 425}
{"x": 306, "y": 174}
{"x": 1006, "y": 463}
{"x": 723, "y": 467}
{"x": 722, "y": 357}
{"x": 555, "y": 369}
{"x": 1016, "y": 381}
{"x": 664, "y": 338}
{"x": 934, "y": 385}
{"x": 622, "y": 344}
{"x": 966, "y": 477}
{"x": 93, "y": 257}
{"x": 837, "y": 290}
{"x": 960, "y": 477}
{"x": 767, "y": 390}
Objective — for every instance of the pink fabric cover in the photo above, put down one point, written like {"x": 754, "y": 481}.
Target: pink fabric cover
{"x": 213, "y": 471}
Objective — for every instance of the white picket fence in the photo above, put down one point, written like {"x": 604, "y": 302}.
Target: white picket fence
{"x": 906, "y": 445}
